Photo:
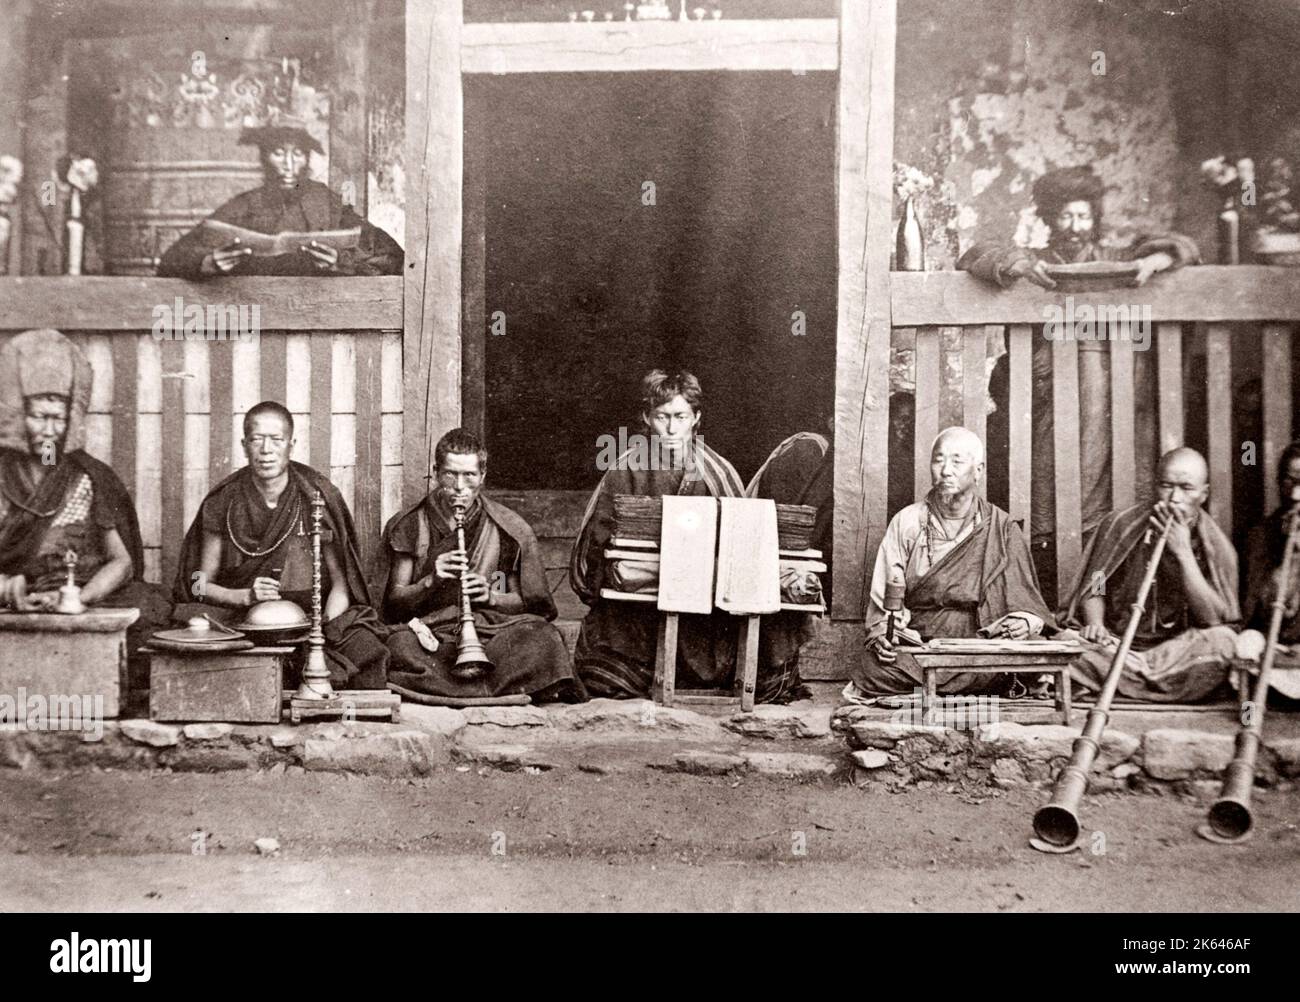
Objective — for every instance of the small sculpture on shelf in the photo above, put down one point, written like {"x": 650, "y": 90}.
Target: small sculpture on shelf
{"x": 70, "y": 594}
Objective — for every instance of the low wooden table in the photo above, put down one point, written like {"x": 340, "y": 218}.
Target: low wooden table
{"x": 55, "y": 654}
{"x": 234, "y": 687}
{"x": 1054, "y": 660}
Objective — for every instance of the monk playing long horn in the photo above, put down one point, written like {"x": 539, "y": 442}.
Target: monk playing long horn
{"x": 1184, "y": 643}
{"x": 966, "y": 569}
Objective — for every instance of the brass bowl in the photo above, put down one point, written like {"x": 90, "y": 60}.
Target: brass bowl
{"x": 274, "y": 621}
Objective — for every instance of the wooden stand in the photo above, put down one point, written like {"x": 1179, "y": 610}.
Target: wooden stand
{"x": 348, "y": 704}
{"x": 236, "y": 687}
{"x": 934, "y": 663}
{"x": 52, "y": 653}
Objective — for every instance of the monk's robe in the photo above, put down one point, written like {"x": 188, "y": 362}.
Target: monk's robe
{"x": 526, "y": 649}
{"x": 259, "y": 541}
{"x": 615, "y": 653}
{"x": 273, "y": 209}
{"x": 955, "y": 587}
{"x": 799, "y": 471}
{"x": 74, "y": 506}
{"x": 1174, "y": 660}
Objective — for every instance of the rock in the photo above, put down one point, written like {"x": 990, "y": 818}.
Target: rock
{"x": 706, "y": 763}
{"x": 773, "y": 723}
{"x": 795, "y": 765}
{"x": 397, "y": 753}
{"x": 294, "y": 770}
{"x": 445, "y": 721}
{"x": 1008, "y": 773}
{"x": 276, "y": 770}
{"x": 1286, "y": 752}
{"x": 1205, "y": 790}
{"x": 1045, "y": 742}
{"x": 150, "y": 732}
{"x": 638, "y": 719}
{"x": 872, "y": 758}
{"x": 508, "y": 756}
{"x": 1169, "y": 753}
{"x": 887, "y": 734}
{"x": 1126, "y": 769}
{"x": 14, "y": 753}
{"x": 266, "y": 846}
{"x": 285, "y": 737}
{"x": 506, "y": 716}
{"x": 600, "y": 768}
{"x": 207, "y": 732}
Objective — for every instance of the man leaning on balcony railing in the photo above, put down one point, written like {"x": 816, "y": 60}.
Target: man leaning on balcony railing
{"x": 1069, "y": 201}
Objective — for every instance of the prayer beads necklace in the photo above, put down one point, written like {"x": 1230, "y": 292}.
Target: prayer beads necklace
{"x": 230, "y": 533}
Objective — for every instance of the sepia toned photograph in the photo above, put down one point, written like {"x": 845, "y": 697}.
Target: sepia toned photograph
{"x": 695, "y": 456}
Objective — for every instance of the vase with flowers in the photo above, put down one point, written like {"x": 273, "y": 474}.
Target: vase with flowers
{"x": 81, "y": 175}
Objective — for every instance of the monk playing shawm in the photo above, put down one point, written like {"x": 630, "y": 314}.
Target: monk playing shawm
{"x": 1184, "y": 641}
{"x": 1263, "y": 566}
{"x": 287, "y": 201}
{"x": 505, "y": 579}
{"x": 966, "y": 571}
{"x": 56, "y": 498}
{"x": 615, "y": 654}
{"x": 251, "y": 543}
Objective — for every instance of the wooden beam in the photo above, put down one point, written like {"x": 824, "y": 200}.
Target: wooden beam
{"x": 975, "y": 385}
{"x": 928, "y": 379}
{"x": 100, "y": 303}
{"x": 322, "y": 383}
{"x": 474, "y": 276}
{"x": 349, "y": 126}
{"x": 1211, "y": 292}
{"x": 1222, "y": 454}
{"x": 1169, "y": 367}
{"x": 792, "y": 44}
{"x": 431, "y": 342}
{"x": 1276, "y": 379}
{"x": 1065, "y": 435}
{"x": 865, "y": 148}
{"x": 221, "y": 410}
{"x": 368, "y": 496}
{"x": 1123, "y": 450}
{"x": 1020, "y": 395}
{"x": 13, "y": 75}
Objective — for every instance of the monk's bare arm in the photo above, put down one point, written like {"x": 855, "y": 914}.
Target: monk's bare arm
{"x": 509, "y": 601}
{"x": 204, "y": 590}
{"x": 115, "y": 573}
{"x": 338, "y": 599}
{"x": 1206, "y": 607}
{"x": 403, "y": 596}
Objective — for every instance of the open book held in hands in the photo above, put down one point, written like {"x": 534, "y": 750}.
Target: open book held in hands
{"x": 218, "y": 234}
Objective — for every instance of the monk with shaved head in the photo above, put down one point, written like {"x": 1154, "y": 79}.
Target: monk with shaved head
{"x": 1185, "y": 639}
{"x": 964, "y": 569}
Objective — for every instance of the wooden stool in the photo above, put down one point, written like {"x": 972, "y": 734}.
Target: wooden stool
{"x": 935, "y": 663}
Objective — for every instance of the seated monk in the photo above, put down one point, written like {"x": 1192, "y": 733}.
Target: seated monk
{"x": 54, "y": 497}
{"x": 1263, "y": 564}
{"x": 1184, "y": 642}
{"x": 287, "y": 201}
{"x": 801, "y": 470}
{"x": 251, "y": 542}
{"x": 615, "y": 654}
{"x": 966, "y": 569}
{"x": 504, "y": 577}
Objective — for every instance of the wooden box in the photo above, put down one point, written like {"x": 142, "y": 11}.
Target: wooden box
{"x": 55, "y": 655}
{"x": 238, "y": 687}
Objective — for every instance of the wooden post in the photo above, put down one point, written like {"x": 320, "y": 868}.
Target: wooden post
{"x": 349, "y": 129}
{"x": 13, "y": 77}
{"x": 1277, "y": 405}
{"x": 863, "y": 204}
{"x": 474, "y": 275}
{"x": 431, "y": 305}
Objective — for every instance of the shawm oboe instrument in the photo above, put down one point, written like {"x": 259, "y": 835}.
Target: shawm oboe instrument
{"x": 1057, "y": 823}
{"x": 1229, "y": 819}
{"x": 471, "y": 659}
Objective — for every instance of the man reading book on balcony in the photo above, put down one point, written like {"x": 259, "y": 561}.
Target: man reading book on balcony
{"x": 966, "y": 572}
{"x": 1184, "y": 641}
{"x": 287, "y": 202}
{"x": 1069, "y": 201}
{"x": 56, "y": 498}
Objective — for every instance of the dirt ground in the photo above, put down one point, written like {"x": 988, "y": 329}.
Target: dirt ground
{"x": 639, "y": 840}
